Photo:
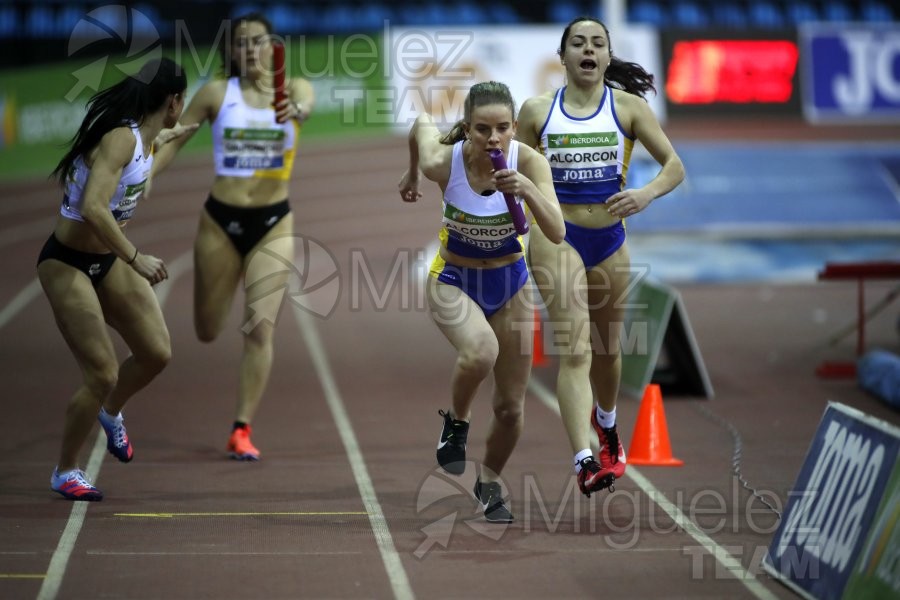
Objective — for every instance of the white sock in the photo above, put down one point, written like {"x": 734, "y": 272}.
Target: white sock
{"x": 580, "y": 457}
{"x": 606, "y": 419}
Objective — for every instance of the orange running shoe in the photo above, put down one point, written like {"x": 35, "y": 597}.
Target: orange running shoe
{"x": 239, "y": 445}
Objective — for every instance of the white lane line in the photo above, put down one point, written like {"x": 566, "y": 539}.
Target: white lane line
{"x": 60, "y": 559}
{"x": 278, "y": 554}
{"x": 733, "y": 565}
{"x": 20, "y": 301}
{"x": 389, "y": 556}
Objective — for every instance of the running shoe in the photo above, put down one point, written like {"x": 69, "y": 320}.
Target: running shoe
{"x": 611, "y": 453}
{"x": 490, "y": 496}
{"x": 592, "y": 478}
{"x": 74, "y": 485}
{"x": 451, "y": 448}
{"x": 239, "y": 445}
{"x": 116, "y": 437}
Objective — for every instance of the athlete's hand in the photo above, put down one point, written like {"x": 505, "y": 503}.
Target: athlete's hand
{"x": 627, "y": 202}
{"x": 167, "y": 135}
{"x": 150, "y": 268}
{"x": 409, "y": 187}
{"x": 289, "y": 109}
{"x": 510, "y": 181}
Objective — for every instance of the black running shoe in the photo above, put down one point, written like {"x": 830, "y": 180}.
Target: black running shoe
{"x": 490, "y": 496}
{"x": 451, "y": 448}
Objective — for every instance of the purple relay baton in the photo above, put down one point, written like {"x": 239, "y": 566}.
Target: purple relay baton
{"x": 512, "y": 205}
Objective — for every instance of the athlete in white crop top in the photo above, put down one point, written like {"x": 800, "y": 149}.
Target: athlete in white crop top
{"x": 254, "y": 145}
{"x": 93, "y": 275}
{"x": 129, "y": 190}
{"x": 587, "y": 130}
{"x": 476, "y": 224}
{"x": 478, "y": 291}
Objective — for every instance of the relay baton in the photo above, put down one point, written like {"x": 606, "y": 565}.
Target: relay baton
{"x": 512, "y": 205}
{"x": 278, "y": 72}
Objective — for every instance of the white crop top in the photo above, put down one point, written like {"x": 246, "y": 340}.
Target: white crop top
{"x": 588, "y": 156}
{"x": 477, "y": 226}
{"x": 247, "y": 142}
{"x": 128, "y": 191}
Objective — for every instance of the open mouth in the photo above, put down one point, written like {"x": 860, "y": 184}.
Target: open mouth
{"x": 588, "y": 64}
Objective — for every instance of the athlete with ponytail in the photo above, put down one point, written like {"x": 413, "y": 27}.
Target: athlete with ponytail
{"x": 478, "y": 289}
{"x": 586, "y": 130}
{"x": 94, "y": 276}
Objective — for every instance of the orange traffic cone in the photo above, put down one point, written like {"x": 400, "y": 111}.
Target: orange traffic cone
{"x": 538, "y": 358}
{"x": 650, "y": 441}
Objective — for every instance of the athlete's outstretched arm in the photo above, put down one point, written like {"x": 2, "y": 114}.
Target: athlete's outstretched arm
{"x": 426, "y": 154}
{"x": 202, "y": 107}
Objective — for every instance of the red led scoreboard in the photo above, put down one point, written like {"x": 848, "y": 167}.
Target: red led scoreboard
{"x": 721, "y": 73}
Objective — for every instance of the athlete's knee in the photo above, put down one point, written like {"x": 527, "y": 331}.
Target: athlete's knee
{"x": 156, "y": 357}
{"x": 261, "y": 336}
{"x": 575, "y": 360}
{"x": 101, "y": 381}
{"x": 206, "y": 336}
{"x": 480, "y": 357}
{"x": 206, "y": 330}
{"x": 510, "y": 414}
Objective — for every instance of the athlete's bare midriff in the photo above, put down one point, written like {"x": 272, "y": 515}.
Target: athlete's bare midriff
{"x": 247, "y": 192}
{"x": 478, "y": 263}
{"x": 80, "y": 236}
{"x": 593, "y": 216}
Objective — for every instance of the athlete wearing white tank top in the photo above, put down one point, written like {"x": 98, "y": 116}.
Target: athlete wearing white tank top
{"x": 478, "y": 289}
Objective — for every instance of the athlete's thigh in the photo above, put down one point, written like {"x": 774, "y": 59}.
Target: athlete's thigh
{"x": 559, "y": 275}
{"x": 608, "y": 285}
{"x": 268, "y": 269}
{"x": 131, "y": 308}
{"x": 78, "y": 314}
{"x": 217, "y": 271}
{"x": 457, "y": 316}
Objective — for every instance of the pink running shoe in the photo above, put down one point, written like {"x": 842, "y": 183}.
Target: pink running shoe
{"x": 116, "y": 437}
{"x": 74, "y": 485}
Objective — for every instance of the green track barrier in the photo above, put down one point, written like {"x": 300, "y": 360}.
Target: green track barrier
{"x": 41, "y": 108}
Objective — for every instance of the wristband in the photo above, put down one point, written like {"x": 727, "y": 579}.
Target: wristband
{"x": 133, "y": 258}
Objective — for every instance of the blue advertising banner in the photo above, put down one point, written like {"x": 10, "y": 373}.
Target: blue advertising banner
{"x": 850, "y": 72}
{"x": 834, "y": 502}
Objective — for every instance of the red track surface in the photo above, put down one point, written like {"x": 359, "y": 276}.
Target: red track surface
{"x": 349, "y": 424}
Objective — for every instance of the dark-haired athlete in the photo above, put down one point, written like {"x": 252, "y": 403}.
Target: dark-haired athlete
{"x": 93, "y": 276}
{"x": 586, "y": 130}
